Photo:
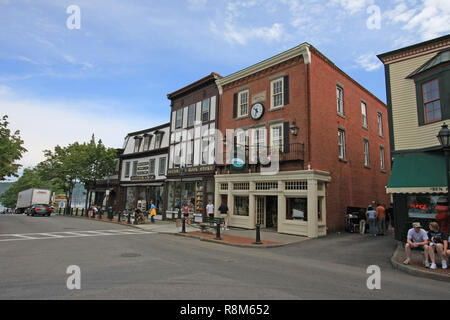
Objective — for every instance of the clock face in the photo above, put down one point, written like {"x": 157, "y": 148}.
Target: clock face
{"x": 257, "y": 111}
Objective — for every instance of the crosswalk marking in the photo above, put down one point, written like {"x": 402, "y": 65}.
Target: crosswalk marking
{"x": 70, "y": 234}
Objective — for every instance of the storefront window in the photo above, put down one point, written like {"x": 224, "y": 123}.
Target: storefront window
{"x": 191, "y": 193}
{"x": 297, "y": 209}
{"x": 135, "y": 198}
{"x": 422, "y": 206}
{"x": 241, "y": 206}
{"x": 156, "y": 195}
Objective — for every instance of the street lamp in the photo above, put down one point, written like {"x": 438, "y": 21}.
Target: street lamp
{"x": 444, "y": 140}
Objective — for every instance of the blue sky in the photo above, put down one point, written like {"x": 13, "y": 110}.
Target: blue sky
{"x": 112, "y": 75}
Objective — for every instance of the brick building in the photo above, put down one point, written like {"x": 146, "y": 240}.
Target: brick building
{"x": 329, "y": 133}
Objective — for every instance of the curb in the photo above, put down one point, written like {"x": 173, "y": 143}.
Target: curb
{"x": 413, "y": 271}
{"x": 262, "y": 246}
{"x": 89, "y": 219}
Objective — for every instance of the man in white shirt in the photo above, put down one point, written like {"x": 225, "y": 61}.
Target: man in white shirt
{"x": 210, "y": 209}
{"x": 417, "y": 240}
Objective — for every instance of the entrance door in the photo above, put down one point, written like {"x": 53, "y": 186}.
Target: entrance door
{"x": 261, "y": 211}
{"x": 271, "y": 211}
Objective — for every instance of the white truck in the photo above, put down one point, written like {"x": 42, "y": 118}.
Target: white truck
{"x": 27, "y": 198}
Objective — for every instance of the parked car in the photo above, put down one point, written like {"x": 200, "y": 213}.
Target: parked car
{"x": 40, "y": 209}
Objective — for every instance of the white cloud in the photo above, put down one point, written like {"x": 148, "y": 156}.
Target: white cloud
{"x": 430, "y": 20}
{"x": 353, "y": 6}
{"x": 369, "y": 62}
{"x": 45, "y": 124}
{"x": 242, "y": 35}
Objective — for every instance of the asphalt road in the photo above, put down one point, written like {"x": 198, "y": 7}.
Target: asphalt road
{"x": 36, "y": 251}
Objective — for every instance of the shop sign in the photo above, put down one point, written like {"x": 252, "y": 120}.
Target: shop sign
{"x": 191, "y": 170}
{"x": 141, "y": 178}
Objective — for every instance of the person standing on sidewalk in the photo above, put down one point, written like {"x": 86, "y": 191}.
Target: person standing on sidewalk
{"x": 186, "y": 212}
{"x": 381, "y": 220}
{"x": 372, "y": 216}
{"x": 152, "y": 212}
{"x": 210, "y": 210}
{"x": 223, "y": 209}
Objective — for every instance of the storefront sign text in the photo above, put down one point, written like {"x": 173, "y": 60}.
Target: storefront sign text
{"x": 140, "y": 178}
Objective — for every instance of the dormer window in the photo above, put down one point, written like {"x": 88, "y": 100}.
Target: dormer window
{"x": 147, "y": 141}
{"x": 158, "y": 138}
{"x": 137, "y": 143}
{"x": 433, "y": 102}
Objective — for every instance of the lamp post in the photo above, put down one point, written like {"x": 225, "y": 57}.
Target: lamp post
{"x": 183, "y": 222}
{"x": 444, "y": 140}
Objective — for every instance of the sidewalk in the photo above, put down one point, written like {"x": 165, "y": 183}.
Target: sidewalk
{"x": 234, "y": 236}
{"x": 416, "y": 266}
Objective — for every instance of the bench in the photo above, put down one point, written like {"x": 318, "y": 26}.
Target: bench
{"x": 208, "y": 222}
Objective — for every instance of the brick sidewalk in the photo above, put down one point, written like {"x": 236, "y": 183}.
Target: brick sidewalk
{"x": 231, "y": 239}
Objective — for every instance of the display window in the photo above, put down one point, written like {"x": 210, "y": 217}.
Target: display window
{"x": 422, "y": 205}
{"x": 241, "y": 206}
{"x": 297, "y": 209}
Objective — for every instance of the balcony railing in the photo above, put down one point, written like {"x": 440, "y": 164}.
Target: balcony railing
{"x": 264, "y": 155}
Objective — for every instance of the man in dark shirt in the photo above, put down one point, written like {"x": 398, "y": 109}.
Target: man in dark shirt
{"x": 223, "y": 209}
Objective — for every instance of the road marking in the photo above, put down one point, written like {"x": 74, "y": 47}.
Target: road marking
{"x": 70, "y": 234}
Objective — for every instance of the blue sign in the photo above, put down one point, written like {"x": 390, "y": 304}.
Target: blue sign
{"x": 238, "y": 163}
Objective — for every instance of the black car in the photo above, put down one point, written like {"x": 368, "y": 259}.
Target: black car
{"x": 40, "y": 209}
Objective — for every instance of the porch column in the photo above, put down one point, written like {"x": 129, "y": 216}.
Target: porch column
{"x": 281, "y": 214}
{"x": 252, "y": 205}
{"x": 217, "y": 199}
{"x": 313, "y": 227}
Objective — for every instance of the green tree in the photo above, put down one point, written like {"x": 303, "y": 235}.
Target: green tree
{"x": 63, "y": 167}
{"x": 98, "y": 163}
{"x": 31, "y": 178}
{"x": 11, "y": 150}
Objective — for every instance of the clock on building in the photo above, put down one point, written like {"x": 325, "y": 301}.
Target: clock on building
{"x": 257, "y": 111}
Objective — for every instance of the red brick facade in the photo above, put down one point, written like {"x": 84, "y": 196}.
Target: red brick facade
{"x": 313, "y": 107}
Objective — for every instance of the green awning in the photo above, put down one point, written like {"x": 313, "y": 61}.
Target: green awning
{"x": 418, "y": 173}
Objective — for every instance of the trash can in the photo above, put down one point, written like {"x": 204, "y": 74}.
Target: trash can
{"x": 110, "y": 213}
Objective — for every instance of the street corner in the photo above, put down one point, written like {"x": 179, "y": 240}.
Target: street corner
{"x": 416, "y": 265}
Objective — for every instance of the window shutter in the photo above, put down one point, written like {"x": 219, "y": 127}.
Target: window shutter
{"x": 286, "y": 90}
{"x": 286, "y": 145}
{"x": 235, "y": 102}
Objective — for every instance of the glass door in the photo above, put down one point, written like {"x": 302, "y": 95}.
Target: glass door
{"x": 261, "y": 211}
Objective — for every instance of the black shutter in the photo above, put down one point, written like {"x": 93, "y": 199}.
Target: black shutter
{"x": 286, "y": 90}
{"x": 286, "y": 145}
{"x": 235, "y": 102}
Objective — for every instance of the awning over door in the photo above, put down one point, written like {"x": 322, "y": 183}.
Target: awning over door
{"x": 418, "y": 173}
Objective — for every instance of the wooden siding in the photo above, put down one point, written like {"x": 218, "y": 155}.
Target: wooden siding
{"x": 407, "y": 132}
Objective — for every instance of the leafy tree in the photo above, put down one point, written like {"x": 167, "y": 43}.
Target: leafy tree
{"x": 98, "y": 163}
{"x": 63, "y": 167}
{"x": 11, "y": 149}
{"x": 31, "y": 178}
{"x": 85, "y": 163}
